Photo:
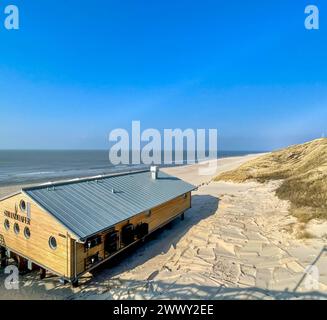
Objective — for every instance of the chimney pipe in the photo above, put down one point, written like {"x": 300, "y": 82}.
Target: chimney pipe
{"x": 154, "y": 172}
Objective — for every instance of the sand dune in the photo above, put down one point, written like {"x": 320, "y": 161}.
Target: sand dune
{"x": 303, "y": 169}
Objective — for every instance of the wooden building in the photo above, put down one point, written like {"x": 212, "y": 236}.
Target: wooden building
{"x": 70, "y": 228}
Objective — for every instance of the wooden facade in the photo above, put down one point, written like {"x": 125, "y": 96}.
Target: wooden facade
{"x": 70, "y": 259}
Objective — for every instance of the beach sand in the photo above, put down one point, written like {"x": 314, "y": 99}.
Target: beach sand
{"x": 236, "y": 242}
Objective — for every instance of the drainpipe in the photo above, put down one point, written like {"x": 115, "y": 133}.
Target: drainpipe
{"x": 75, "y": 260}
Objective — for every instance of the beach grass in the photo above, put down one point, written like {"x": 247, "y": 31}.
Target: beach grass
{"x": 303, "y": 171}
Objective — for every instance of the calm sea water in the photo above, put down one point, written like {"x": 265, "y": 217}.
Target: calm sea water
{"x": 19, "y": 167}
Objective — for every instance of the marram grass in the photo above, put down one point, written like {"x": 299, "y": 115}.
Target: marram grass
{"x": 303, "y": 169}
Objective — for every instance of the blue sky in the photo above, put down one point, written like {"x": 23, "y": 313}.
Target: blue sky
{"x": 77, "y": 69}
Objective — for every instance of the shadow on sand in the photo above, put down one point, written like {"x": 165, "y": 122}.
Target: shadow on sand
{"x": 155, "y": 244}
{"x": 104, "y": 283}
{"x": 159, "y": 290}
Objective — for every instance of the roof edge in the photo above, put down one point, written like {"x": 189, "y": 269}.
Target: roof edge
{"x": 84, "y": 179}
{"x": 78, "y": 237}
{"x": 11, "y": 195}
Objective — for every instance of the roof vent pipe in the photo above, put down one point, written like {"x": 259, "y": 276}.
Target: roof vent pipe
{"x": 154, "y": 172}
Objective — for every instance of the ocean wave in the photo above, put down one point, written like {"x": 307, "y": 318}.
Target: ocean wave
{"x": 36, "y": 173}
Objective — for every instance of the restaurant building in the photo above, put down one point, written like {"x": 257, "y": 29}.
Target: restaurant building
{"x": 70, "y": 228}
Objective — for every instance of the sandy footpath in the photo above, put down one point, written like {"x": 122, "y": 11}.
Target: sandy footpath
{"x": 236, "y": 242}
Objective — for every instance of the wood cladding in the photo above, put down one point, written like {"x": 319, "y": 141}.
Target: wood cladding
{"x": 43, "y": 225}
{"x": 158, "y": 217}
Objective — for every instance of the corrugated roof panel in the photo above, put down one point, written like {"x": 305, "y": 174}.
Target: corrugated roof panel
{"x": 89, "y": 206}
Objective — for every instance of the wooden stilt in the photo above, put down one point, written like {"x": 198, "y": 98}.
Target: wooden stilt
{"x": 42, "y": 273}
{"x": 75, "y": 283}
{"x": 3, "y": 257}
{"x": 21, "y": 264}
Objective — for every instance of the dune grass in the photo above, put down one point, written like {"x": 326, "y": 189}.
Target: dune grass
{"x": 303, "y": 169}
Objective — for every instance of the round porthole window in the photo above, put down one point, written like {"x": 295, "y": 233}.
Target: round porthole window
{"x": 27, "y": 232}
{"x": 53, "y": 243}
{"x": 16, "y": 228}
{"x": 7, "y": 224}
{"x": 22, "y": 205}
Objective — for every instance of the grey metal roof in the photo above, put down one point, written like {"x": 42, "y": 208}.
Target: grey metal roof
{"x": 89, "y": 206}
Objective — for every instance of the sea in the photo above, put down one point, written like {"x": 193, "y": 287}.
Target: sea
{"x": 36, "y": 166}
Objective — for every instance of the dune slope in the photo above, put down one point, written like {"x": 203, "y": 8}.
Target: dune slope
{"x": 303, "y": 169}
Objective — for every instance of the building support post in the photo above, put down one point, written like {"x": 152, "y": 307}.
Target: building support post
{"x": 42, "y": 273}
{"x": 3, "y": 257}
{"x": 75, "y": 283}
{"x": 22, "y": 264}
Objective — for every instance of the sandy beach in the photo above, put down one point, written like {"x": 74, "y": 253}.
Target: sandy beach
{"x": 236, "y": 242}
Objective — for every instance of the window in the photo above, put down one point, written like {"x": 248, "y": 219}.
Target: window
{"x": 22, "y": 205}
{"x": 7, "y": 224}
{"x": 127, "y": 234}
{"x": 53, "y": 243}
{"x": 16, "y": 228}
{"x": 89, "y": 261}
{"x": 27, "y": 232}
{"x": 141, "y": 230}
{"x": 93, "y": 242}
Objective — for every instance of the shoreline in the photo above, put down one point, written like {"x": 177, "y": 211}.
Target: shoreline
{"x": 9, "y": 189}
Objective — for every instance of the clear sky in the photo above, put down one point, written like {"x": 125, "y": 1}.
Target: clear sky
{"x": 77, "y": 69}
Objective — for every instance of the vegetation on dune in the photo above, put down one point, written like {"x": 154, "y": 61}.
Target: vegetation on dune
{"x": 303, "y": 169}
